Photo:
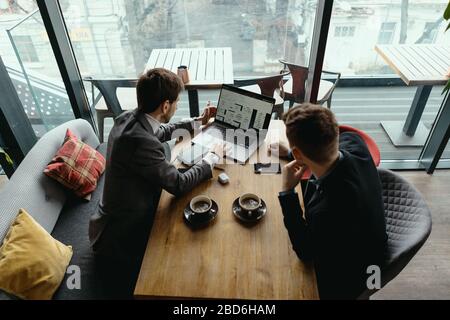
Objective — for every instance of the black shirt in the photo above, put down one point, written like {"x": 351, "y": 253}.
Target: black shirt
{"x": 344, "y": 229}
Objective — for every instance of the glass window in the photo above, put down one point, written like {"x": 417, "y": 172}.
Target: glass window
{"x": 118, "y": 36}
{"x": 387, "y": 32}
{"x": 352, "y": 52}
{"x": 379, "y": 22}
{"x": 344, "y": 31}
{"x": 25, "y": 45}
{"x": 81, "y": 58}
{"x": 351, "y": 31}
{"x": 429, "y": 33}
{"x": 29, "y": 59}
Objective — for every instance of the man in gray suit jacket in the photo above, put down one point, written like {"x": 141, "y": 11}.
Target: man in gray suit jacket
{"x": 137, "y": 168}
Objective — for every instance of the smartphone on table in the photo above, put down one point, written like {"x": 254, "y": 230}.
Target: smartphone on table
{"x": 267, "y": 168}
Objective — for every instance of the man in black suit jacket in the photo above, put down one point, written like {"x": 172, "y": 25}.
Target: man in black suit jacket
{"x": 343, "y": 231}
{"x": 138, "y": 168}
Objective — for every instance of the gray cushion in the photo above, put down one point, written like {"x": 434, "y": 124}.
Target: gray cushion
{"x": 42, "y": 197}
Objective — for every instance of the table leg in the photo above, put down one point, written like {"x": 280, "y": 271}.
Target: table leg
{"x": 101, "y": 125}
{"x": 193, "y": 103}
{"x": 412, "y": 132}
{"x": 432, "y": 152}
{"x": 416, "y": 111}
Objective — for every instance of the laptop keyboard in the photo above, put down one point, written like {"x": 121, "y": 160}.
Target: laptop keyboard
{"x": 245, "y": 143}
{"x": 221, "y": 132}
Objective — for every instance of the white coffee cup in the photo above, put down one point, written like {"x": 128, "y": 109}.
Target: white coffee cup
{"x": 247, "y": 205}
{"x": 200, "y": 204}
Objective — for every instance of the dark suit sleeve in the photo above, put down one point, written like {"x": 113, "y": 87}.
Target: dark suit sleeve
{"x": 299, "y": 231}
{"x": 354, "y": 144}
{"x": 150, "y": 162}
{"x": 165, "y": 131}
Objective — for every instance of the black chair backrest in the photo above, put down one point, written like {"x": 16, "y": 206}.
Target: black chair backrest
{"x": 108, "y": 89}
{"x": 408, "y": 218}
{"x": 408, "y": 224}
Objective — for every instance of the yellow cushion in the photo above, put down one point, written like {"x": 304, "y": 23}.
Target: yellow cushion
{"x": 32, "y": 262}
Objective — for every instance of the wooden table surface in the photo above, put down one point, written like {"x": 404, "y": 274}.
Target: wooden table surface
{"x": 418, "y": 64}
{"x": 226, "y": 259}
{"x": 208, "y": 67}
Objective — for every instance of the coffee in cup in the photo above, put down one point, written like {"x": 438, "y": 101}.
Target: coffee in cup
{"x": 249, "y": 202}
{"x": 200, "y": 204}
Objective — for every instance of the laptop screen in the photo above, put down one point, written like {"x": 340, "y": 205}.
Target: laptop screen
{"x": 243, "y": 109}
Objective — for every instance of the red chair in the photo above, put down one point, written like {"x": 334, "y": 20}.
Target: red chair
{"x": 371, "y": 144}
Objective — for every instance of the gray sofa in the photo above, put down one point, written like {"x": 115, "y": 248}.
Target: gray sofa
{"x": 55, "y": 209}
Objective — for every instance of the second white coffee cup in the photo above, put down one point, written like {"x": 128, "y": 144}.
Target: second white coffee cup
{"x": 249, "y": 202}
{"x": 200, "y": 204}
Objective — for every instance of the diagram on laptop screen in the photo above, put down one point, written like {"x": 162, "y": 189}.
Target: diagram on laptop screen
{"x": 242, "y": 111}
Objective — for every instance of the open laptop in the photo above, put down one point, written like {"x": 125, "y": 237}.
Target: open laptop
{"x": 242, "y": 121}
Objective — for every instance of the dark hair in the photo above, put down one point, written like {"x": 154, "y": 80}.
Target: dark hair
{"x": 156, "y": 86}
{"x": 313, "y": 129}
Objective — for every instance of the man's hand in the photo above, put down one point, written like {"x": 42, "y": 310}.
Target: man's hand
{"x": 292, "y": 173}
{"x": 208, "y": 113}
{"x": 220, "y": 149}
{"x": 279, "y": 149}
{"x": 216, "y": 154}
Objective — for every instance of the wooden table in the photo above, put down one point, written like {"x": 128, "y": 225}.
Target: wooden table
{"x": 418, "y": 65}
{"x": 226, "y": 259}
{"x": 209, "y": 68}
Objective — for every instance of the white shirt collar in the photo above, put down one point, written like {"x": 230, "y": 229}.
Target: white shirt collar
{"x": 155, "y": 124}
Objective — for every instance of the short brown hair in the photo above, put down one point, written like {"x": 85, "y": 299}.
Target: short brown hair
{"x": 156, "y": 86}
{"x": 313, "y": 129}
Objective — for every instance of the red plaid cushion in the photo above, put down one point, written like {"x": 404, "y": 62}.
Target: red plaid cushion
{"x": 76, "y": 165}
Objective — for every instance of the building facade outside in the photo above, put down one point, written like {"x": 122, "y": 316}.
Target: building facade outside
{"x": 115, "y": 37}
